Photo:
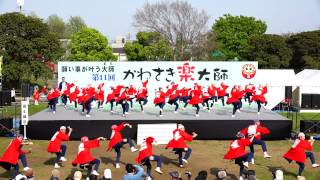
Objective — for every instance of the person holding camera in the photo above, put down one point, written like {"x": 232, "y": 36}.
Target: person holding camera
{"x": 237, "y": 151}
{"x": 298, "y": 153}
{"x": 133, "y": 172}
{"x": 56, "y": 147}
{"x": 116, "y": 141}
{"x": 178, "y": 143}
{"x": 84, "y": 155}
{"x": 146, "y": 155}
{"x": 256, "y": 130}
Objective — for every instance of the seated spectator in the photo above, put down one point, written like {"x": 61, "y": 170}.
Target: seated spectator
{"x": 202, "y": 175}
{"x": 174, "y": 175}
{"x": 77, "y": 175}
{"x": 278, "y": 175}
{"x": 221, "y": 175}
{"x": 107, "y": 175}
{"x": 29, "y": 174}
{"x": 92, "y": 177}
{"x": 55, "y": 174}
{"x": 134, "y": 172}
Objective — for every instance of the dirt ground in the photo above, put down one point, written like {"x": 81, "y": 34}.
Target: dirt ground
{"x": 206, "y": 155}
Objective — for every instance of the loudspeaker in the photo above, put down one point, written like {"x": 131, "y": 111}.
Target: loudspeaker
{"x": 315, "y": 101}
{"x": 306, "y": 101}
{"x": 5, "y": 98}
{"x": 25, "y": 88}
{"x": 288, "y": 92}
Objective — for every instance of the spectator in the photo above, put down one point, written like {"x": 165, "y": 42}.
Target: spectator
{"x": 278, "y": 175}
{"x": 202, "y": 175}
{"x": 21, "y": 177}
{"x": 107, "y": 175}
{"x": 77, "y": 175}
{"x": 13, "y": 95}
{"x": 29, "y": 174}
{"x": 222, "y": 175}
{"x": 134, "y": 172}
{"x": 174, "y": 175}
{"x": 301, "y": 178}
{"x": 92, "y": 177}
{"x": 55, "y": 174}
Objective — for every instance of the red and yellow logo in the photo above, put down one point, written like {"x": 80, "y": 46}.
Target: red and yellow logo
{"x": 248, "y": 71}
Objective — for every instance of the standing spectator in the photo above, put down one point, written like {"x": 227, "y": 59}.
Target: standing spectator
{"x": 13, "y": 95}
{"x": 133, "y": 172}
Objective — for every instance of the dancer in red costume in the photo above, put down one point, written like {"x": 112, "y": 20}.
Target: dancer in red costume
{"x": 146, "y": 155}
{"x": 234, "y": 99}
{"x": 297, "y": 152}
{"x": 237, "y": 152}
{"x": 259, "y": 96}
{"x": 84, "y": 156}
{"x": 196, "y": 98}
{"x": 160, "y": 100}
{"x": 222, "y": 92}
{"x": 36, "y": 96}
{"x": 100, "y": 95}
{"x": 52, "y": 97}
{"x": 13, "y": 153}
{"x": 178, "y": 143}
{"x": 56, "y": 147}
{"x": 116, "y": 141}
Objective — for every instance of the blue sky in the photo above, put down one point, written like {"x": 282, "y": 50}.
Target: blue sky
{"x": 114, "y": 17}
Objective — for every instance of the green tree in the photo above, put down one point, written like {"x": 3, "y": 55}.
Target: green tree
{"x": 74, "y": 25}
{"x": 234, "y": 32}
{"x": 306, "y": 50}
{"x": 90, "y": 45}
{"x": 26, "y": 44}
{"x": 271, "y": 51}
{"x": 134, "y": 51}
{"x": 57, "y": 25}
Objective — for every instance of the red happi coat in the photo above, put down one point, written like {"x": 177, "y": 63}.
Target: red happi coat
{"x": 160, "y": 97}
{"x": 297, "y": 153}
{"x": 145, "y": 149}
{"x": 174, "y": 94}
{"x": 111, "y": 96}
{"x": 259, "y": 95}
{"x": 55, "y": 142}
{"x": 195, "y": 97}
{"x": 249, "y": 88}
{"x": 100, "y": 94}
{"x": 179, "y": 138}
{"x": 236, "y": 94}
{"x": 11, "y": 154}
{"x": 116, "y": 136}
{"x": 253, "y": 129}
{"x": 132, "y": 91}
{"x": 84, "y": 155}
{"x": 36, "y": 95}
{"x": 237, "y": 148}
{"x": 142, "y": 93}
{"x": 145, "y": 83}
{"x": 74, "y": 94}
{"x": 221, "y": 91}
{"x": 53, "y": 95}
{"x": 184, "y": 92}
{"x": 44, "y": 90}
{"x": 212, "y": 90}
{"x": 205, "y": 96}
{"x": 123, "y": 96}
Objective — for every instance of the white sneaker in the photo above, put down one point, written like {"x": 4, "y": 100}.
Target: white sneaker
{"x": 126, "y": 113}
{"x": 65, "y": 106}
{"x": 266, "y": 155}
{"x": 158, "y": 170}
{"x": 111, "y": 111}
{"x": 94, "y": 172}
{"x": 176, "y": 112}
{"x": 56, "y": 166}
{"x": 240, "y": 178}
{"x": 185, "y": 161}
{"x": 181, "y": 166}
{"x": 208, "y": 110}
{"x": 161, "y": 115}
{"x": 133, "y": 149}
{"x": 238, "y": 111}
{"x": 142, "y": 111}
{"x": 54, "y": 112}
{"x": 246, "y": 164}
{"x": 26, "y": 168}
{"x": 252, "y": 161}
{"x": 233, "y": 115}
{"x": 63, "y": 159}
{"x": 197, "y": 115}
{"x": 117, "y": 165}
{"x": 315, "y": 165}
{"x": 148, "y": 178}
{"x": 258, "y": 113}
{"x": 88, "y": 115}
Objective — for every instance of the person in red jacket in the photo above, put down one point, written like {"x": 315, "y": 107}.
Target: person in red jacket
{"x": 84, "y": 155}
{"x": 212, "y": 90}
{"x": 123, "y": 99}
{"x": 52, "y": 97}
{"x": 116, "y": 141}
{"x": 173, "y": 99}
{"x": 146, "y": 155}
{"x": 259, "y": 97}
{"x": 132, "y": 92}
{"x": 100, "y": 95}
{"x": 222, "y": 92}
{"x": 142, "y": 97}
{"x": 257, "y": 130}
{"x": 178, "y": 143}
{"x": 234, "y": 99}
{"x": 184, "y": 96}
{"x": 205, "y": 100}
{"x": 73, "y": 97}
{"x": 88, "y": 98}
{"x": 249, "y": 91}
{"x": 237, "y": 152}
{"x": 297, "y": 152}
{"x": 196, "y": 98}
{"x": 36, "y": 96}
{"x": 160, "y": 100}
{"x": 13, "y": 153}
{"x": 56, "y": 147}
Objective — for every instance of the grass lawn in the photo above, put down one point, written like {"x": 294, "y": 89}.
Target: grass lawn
{"x": 206, "y": 155}
{"x": 10, "y": 111}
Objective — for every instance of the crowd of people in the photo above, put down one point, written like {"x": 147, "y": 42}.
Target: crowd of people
{"x": 173, "y": 95}
{"x": 249, "y": 136}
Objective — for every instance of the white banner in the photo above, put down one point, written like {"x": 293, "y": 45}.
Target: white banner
{"x": 159, "y": 73}
{"x": 24, "y": 113}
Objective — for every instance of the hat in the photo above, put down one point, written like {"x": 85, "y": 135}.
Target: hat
{"x": 107, "y": 174}
{"x": 77, "y": 175}
{"x": 174, "y": 174}
{"x": 84, "y": 138}
{"x": 20, "y": 176}
{"x": 180, "y": 126}
{"x": 63, "y": 128}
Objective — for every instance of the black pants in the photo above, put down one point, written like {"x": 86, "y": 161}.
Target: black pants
{"x": 235, "y": 107}
{"x": 161, "y": 105}
{"x": 64, "y": 99}
{"x": 240, "y": 160}
{"x": 175, "y": 102}
{"x": 222, "y": 99}
{"x": 144, "y": 100}
{"x": 198, "y": 108}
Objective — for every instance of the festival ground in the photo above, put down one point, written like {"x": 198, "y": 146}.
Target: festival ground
{"x": 206, "y": 155}
{"x": 216, "y": 124}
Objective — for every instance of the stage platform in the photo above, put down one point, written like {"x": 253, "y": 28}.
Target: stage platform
{"x": 216, "y": 124}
